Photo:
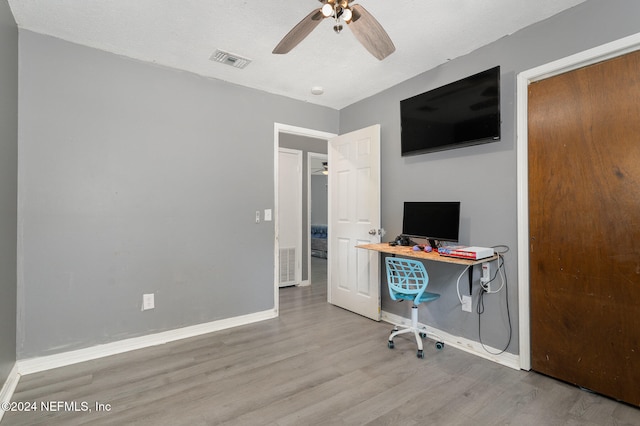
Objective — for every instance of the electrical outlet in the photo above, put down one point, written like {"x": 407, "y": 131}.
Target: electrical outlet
{"x": 466, "y": 303}
{"x": 486, "y": 276}
{"x": 148, "y": 301}
{"x": 257, "y": 216}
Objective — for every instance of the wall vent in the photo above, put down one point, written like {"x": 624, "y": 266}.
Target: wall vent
{"x": 230, "y": 59}
{"x": 287, "y": 266}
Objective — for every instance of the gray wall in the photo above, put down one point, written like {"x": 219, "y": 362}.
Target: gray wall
{"x": 306, "y": 145}
{"x": 8, "y": 187}
{"x": 139, "y": 179}
{"x": 482, "y": 177}
{"x": 319, "y": 200}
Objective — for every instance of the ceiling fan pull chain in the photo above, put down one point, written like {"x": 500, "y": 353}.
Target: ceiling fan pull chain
{"x": 338, "y": 26}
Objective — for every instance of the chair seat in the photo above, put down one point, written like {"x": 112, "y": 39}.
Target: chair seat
{"x": 426, "y": 297}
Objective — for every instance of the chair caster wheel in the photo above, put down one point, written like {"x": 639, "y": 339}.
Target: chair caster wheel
{"x": 439, "y": 345}
{"x": 420, "y": 354}
{"x": 423, "y": 335}
{"x": 390, "y": 344}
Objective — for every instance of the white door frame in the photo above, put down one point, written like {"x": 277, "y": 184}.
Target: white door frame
{"x": 292, "y": 130}
{"x": 588, "y": 57}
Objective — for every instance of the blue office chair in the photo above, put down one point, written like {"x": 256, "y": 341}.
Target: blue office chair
{"x": 408, "y": 280}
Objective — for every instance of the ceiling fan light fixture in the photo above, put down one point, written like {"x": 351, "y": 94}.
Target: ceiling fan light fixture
{"x": 366, "y": 29}
{"x": 346, "y": 14}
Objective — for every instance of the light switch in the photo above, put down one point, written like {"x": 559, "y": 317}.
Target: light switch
{"x": 267, "y": 215}
{"x": 148, "y": 301}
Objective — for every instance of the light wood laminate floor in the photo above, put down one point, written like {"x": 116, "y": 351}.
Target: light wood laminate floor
{"x": 314, "y": 365}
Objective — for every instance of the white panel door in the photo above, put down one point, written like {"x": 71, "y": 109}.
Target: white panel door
{"x": 354, "y": 218}
{"x": 289, "y": 217}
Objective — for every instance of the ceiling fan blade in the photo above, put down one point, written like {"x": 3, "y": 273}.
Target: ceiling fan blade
{"x": 299, "y": 32}
{"x": 370, "y": 33}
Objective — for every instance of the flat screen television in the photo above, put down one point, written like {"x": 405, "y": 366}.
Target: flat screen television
{"x": 463, "y": 113}
{"x": 432, "y": 220}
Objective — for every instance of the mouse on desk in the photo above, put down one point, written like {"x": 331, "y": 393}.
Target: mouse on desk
{"x": 393, "y": 243}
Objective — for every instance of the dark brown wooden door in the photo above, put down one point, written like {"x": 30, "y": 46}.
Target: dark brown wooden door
{"x": 584, "y": 224}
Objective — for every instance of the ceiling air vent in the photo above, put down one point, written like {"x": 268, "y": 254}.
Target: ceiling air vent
{"x": 230, "y": 59}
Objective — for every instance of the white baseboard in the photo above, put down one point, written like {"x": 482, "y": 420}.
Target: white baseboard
{"x": 475, "y": 348}
{"x": 8, "y": 388}
{"x": 34, "y": 365}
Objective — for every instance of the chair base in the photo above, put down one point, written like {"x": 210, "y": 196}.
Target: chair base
{"x": 419, "y": 333}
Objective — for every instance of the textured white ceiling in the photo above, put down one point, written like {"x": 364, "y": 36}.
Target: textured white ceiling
{"x": 183, "y": 34}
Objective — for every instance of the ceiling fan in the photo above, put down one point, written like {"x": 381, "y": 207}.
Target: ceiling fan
{"x": 367, "y": 30}
{"x": 324, "y": 170}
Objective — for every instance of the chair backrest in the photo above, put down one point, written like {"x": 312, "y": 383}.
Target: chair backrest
{"x": 406, "y": 276}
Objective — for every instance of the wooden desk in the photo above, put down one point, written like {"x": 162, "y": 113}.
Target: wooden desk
{"x": 407, "y": 251}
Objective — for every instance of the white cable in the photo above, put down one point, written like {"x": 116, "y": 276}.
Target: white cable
{"x": 500, "y": 272}
{"x": 458, "y": 283}
{"x": 502, "y": 277}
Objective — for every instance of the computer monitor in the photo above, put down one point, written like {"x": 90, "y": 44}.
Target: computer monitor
{"x": 432, "y": 220}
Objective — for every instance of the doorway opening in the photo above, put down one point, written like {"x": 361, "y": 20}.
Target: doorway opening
{"x": 313, "y": 144}
{"x": 317, "y": 216}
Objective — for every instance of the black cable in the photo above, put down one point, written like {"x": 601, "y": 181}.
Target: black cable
{"x": 506, "y": 248}
{"x": 480, "y": 305}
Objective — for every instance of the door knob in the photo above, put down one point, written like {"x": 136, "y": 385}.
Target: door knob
{"x": 373, "y": 232}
